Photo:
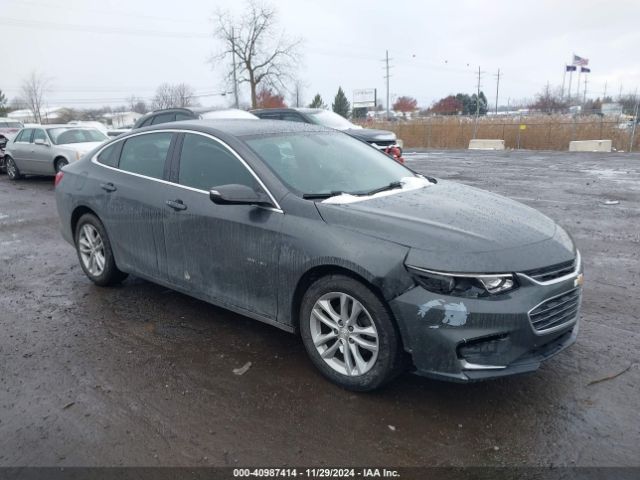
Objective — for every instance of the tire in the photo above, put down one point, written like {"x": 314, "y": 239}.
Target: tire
{"x": 379, "y": 366}
{"x": 3, "y": 164}
{"x": 12, "y": 169}
{"x": 59, "y": 163}
{"x": 94, "y": 252}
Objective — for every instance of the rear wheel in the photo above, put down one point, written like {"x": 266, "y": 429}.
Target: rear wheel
{"x": 349, "y": 334}
{"x": 59, "y": 163}
{"x": 12, "y": 169}
{"x": 94, "y": 252}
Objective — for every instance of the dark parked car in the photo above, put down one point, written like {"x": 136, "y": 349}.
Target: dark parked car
{"x": 381, "y": 139}
{"x": 179, "y": 114}
{"x": 315, "y": 232}
{"x": 165, "y": 116}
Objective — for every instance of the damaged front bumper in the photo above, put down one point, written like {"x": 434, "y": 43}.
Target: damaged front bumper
{"x": 468, "y": 339}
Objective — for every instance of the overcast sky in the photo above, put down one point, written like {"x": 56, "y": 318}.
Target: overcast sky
{"x": 100, "y": 52}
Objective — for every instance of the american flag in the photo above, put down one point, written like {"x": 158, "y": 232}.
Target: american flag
{"x": 583, "y": 62}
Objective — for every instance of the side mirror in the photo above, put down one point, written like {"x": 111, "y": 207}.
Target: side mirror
{"x": 39, "y": 141}
{"x": 238, "y": 195}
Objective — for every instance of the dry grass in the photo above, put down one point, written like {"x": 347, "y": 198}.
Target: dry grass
{"x": 539, "y": 132}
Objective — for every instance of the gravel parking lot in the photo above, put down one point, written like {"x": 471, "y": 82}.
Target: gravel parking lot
{"x": 141, "y": 375}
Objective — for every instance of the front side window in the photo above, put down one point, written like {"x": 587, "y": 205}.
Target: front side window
{"x": 25, "y": 135}
{"x": 146, "y": 154}
{"x": 205, "y": 163}
{"x": 326, "y": 162}
{"x": 39, "y": 135}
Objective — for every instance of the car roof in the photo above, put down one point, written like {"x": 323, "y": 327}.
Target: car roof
{"x": 239, "y": 127}
{"x": 289, "y": 109}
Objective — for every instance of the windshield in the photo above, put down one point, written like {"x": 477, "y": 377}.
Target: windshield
{"x": 317, "y": 163}
{"x": 331, "y": 120}
{"x": 66, "y": 135}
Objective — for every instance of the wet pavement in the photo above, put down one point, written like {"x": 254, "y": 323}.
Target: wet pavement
{"x": 141, "y": 375}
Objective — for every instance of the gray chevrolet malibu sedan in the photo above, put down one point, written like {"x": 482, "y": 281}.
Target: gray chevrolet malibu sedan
{"x": 376, "y": 267}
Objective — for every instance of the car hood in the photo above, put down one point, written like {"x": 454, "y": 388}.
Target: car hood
{"x": 371, "y": 135}
{"x": 457, "y": 228}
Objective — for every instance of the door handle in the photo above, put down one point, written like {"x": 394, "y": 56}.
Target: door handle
{"x": 176, "y": 204}
{"x": 108, "y": 187}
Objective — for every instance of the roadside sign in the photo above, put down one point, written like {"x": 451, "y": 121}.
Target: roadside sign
{"x": 364, "y": 98}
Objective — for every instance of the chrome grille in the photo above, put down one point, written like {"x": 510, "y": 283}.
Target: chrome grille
{"x": 556, "y": 311}
{"x": 552, "y": 272}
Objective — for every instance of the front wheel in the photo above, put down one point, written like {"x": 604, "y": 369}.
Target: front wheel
{"x": 349, "y": 334}
{"x": 94, "y": 252}
{"x": 12, "y": 169}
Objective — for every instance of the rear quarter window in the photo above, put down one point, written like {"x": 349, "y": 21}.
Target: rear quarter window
{"x": 110, "y": 155}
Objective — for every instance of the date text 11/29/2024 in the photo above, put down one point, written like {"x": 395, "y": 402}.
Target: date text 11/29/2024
{"x": 315, "y": 473}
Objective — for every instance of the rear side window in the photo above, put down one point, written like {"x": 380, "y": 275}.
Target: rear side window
{"x": 205, "y": 163}
{"x": 25, "y": 135}
{"x": 109, "y": 156}
{"x": 146, "y": 154}
{"x": 163, "y": 118}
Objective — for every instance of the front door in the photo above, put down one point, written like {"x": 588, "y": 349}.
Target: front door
{"x": 40, "y": 159}
{"x": 226, "y": 253}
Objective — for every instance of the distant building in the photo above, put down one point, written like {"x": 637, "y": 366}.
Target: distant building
{"x": 613, "y": 109}
{"x": 49, "y": 115}
{"x": 121, "y": 119}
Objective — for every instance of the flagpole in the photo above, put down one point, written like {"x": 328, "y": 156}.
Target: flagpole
{"x": 578, "y": 86}
{"x": 564, "y": 77}
{"x": 569, "y": 91}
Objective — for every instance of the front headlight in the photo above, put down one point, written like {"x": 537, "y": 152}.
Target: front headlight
{"x": 463, "y": 285}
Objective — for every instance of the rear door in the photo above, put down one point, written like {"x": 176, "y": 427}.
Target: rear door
{"x": 133, "y": 205}
{"x": 226, "y": 253}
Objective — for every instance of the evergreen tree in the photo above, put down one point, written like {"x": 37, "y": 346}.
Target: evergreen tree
{"x": 3, "y": 104}
{"x": 340, "y": 104}
{"x": 317, "y": 102}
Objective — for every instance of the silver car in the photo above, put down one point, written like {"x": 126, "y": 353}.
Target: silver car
{"x": 44, "y": 150}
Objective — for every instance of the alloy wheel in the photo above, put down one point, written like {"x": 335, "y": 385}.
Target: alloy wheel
{"x": 91, "y": 249}
{"x": 344, "y": 334}
{"x": 12, "y": 171}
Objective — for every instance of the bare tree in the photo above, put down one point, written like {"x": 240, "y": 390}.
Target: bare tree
{"x": 163, "y": 97}
{"x": 264, "y": 55}
{"x": 172, "y": 96}
{"x": 33, "y": 89}
{"x": 183, "y": 95}
{"x": 137, "y": 104}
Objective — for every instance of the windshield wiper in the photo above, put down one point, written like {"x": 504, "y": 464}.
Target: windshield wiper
{"x": 320, "y": 196}
{"x": 391, "y": 186}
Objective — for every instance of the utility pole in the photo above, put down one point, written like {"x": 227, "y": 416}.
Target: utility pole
{"x": 497, "y": 89}
{"x": 604, "y": 94}
{"x": 635, "y": 122}
{"x": 475, "y": 128}
{"x": 584, "y": 96}
{"x": 564, "y": 78}
{"x": 386, "y": 62}
{"x": 235, "y": 79}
